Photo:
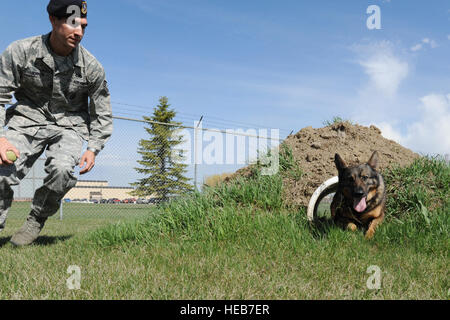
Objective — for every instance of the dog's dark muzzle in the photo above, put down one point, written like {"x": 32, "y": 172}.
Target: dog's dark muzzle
{"x": 359, "y": 193}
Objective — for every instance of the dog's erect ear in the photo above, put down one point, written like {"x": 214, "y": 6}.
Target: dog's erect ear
{"x": 340, "y": 164}
{"x": 373, "y": 161}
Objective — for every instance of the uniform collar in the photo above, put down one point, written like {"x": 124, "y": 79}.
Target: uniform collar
{"x": 46, "y": 54}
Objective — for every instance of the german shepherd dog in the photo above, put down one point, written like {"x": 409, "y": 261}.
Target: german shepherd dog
{"x": 360, "y": 198}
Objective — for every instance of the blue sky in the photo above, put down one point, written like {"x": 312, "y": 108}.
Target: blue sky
{"x": 268, "y": 64}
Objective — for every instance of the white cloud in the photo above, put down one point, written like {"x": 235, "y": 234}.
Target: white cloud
{"x": 386, "y": 71}
{"x": 448, "y": 37}
{"x": 388, "y": 131}
{"x": 430, "y": 42}
{"x": 417, "y": 47}
{"x": 420, "y": 123}
{"x": 433, "y": 44}
{"x": 430, "y": 134}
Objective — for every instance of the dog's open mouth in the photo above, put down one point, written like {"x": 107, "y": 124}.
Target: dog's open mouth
{"x": 359, "y": 204}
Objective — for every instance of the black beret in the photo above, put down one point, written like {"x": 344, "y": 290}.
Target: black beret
{"x": 58, "y": 8}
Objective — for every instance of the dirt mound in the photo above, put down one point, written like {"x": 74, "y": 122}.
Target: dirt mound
{"x": 314, "y": 150}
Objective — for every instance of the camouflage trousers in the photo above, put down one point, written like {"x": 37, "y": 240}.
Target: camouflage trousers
{"x": 62, "y": 149}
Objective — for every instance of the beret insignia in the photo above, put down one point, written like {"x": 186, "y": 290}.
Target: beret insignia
{"x": 84, "y": 7}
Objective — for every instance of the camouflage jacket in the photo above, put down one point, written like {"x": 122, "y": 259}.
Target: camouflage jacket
{"x": 73, "y": 94}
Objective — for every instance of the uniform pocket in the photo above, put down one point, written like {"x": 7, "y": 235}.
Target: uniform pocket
{"x": 35, "y": 78}
{"x": 36, "y": 83}
{"x": 77, "y": 96}
{"x": 80, "y": 121}
{"x": 31, "y": 80}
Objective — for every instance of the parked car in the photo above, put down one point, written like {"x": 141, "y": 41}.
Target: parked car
{"x": 155, "y": 200}
{"x": 67, "y": 200}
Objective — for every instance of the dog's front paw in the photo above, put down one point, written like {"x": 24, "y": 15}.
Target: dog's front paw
{"x": 351, "y": 226}
{"x": 369, "y": 234}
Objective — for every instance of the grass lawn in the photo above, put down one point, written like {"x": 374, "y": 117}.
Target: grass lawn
{"x": 238, "y": 241}
{"x": 76, "y": 218}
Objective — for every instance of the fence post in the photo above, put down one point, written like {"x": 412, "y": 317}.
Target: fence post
{"x": 195, "y": 152}
{"x": 33, "y": 178}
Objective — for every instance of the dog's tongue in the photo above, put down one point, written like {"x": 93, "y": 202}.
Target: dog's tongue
{"x": 359, "y": 205}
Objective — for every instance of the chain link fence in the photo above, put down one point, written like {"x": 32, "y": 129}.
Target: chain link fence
{"x": 181, "y": 158}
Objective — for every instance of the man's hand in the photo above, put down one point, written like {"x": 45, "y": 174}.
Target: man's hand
{"x": 87, "y": 161}
{"x": 5, "y": 146}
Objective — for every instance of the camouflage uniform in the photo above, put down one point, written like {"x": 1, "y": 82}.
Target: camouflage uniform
{"x": 61, "y": 101}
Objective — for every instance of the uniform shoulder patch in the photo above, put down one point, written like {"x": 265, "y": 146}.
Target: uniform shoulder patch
{"x": 84, "y": 7}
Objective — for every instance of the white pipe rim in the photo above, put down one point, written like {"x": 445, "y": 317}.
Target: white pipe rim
{"x": 324, "y": 189}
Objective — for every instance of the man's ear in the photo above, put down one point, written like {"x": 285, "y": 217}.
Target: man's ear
{"x": 52, "y": 20}
{"x": 373, "y": 161}
{"x": 340, "y": 164}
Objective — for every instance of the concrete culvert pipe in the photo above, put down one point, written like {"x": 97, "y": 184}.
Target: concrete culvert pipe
{"x": 325, "y": 189}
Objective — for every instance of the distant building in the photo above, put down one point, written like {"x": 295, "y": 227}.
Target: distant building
{"x": 97, "y": 190}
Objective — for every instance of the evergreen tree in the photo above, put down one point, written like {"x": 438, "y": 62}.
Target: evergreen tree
{"x": 164, "y": 173}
